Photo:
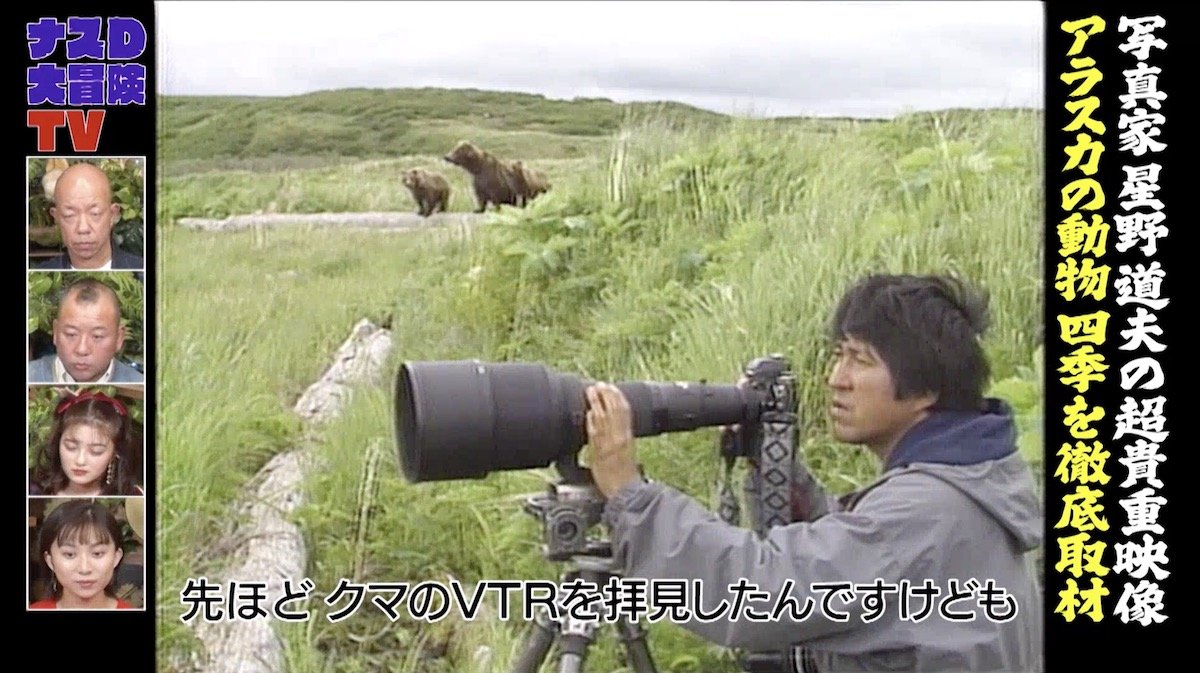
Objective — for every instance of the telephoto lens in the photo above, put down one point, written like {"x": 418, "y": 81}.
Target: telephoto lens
{"x": 463, "y": 419}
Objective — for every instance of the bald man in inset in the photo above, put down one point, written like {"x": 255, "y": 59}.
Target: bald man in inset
{"x": 85, "y": 214}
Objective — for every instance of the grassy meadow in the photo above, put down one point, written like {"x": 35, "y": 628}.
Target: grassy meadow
{"x": 675, "y": 245}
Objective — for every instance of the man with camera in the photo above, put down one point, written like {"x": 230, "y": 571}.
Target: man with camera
{"x": 946, "y": 529}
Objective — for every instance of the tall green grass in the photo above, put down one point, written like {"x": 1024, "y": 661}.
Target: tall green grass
{"x": 247, "y": 321}
{"x": 681, "y": 252}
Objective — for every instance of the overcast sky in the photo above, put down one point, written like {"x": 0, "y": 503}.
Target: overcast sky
{"x": 862, "y": 59}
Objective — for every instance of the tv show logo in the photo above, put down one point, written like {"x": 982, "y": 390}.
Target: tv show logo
{"x": 101, "y": 72}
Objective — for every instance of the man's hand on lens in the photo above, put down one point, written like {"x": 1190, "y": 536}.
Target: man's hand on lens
{"x": 611, "y": 455}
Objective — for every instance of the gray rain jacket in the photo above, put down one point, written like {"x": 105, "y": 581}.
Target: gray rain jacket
{"x": 955, "y": 502}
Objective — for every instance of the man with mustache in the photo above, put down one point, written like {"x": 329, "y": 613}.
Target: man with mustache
{"x": 955, "y": 503}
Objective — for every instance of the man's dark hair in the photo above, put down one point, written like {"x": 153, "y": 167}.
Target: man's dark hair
{"x": 927, "y": 329}
{"x": 88, "y": 290}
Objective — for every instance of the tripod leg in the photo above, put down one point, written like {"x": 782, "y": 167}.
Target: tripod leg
{"x": 638, "y": 652}
{"x": 571, "y": 663}
{"x": 577, "y": 636}
{"x": 537, "y": 644}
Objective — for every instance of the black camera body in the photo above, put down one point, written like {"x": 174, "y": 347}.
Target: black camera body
{"x": 770, "y": 378}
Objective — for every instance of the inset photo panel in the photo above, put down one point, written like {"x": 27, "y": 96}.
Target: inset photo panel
{"x": 86, "y": 213}
{"x": 86, "y": 327}
{"x": 87, "y": 554}
{"x": 86, "y": 441}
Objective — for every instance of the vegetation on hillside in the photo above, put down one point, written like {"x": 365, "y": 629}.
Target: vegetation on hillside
{"x": 366, "y": 123}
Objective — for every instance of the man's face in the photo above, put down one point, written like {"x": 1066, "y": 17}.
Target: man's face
{"x": 864, "y": 408}
{"x": 88, "y": 336}
{"x": 85, "y": 214}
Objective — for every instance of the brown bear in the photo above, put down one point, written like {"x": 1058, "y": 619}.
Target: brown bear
{"x": 532, "y": 182}
{"x": 430, "y": 190}
{"x": 495, "y": 181}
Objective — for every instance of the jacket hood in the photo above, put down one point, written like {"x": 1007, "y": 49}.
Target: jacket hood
{"x": 976, "y": 453}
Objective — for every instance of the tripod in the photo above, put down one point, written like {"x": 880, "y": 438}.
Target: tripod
{"x": 567, "y": 511}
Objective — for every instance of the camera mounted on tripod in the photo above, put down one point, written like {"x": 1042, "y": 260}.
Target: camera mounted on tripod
{"x": 465, "y": 419}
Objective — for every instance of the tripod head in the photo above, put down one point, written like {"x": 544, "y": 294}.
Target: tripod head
{"x": 568, "y": 510}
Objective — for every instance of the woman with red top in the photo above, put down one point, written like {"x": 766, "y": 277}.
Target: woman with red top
{"x": 80, "y": 543}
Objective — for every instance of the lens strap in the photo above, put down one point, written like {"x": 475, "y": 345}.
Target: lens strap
{"x": 775, "y": 459}
{"x": 728, "y": 507}
{"x": 768, "y": 485}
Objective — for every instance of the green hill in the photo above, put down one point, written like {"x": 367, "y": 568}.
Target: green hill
{"x": 387, "y": 122}
{"x": 200, "y": 134}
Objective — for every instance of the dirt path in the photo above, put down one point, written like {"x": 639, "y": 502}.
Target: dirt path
{"x": 382, "y": 220}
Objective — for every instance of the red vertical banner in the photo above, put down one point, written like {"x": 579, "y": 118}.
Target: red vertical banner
{"x": 1109, "y": 565}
